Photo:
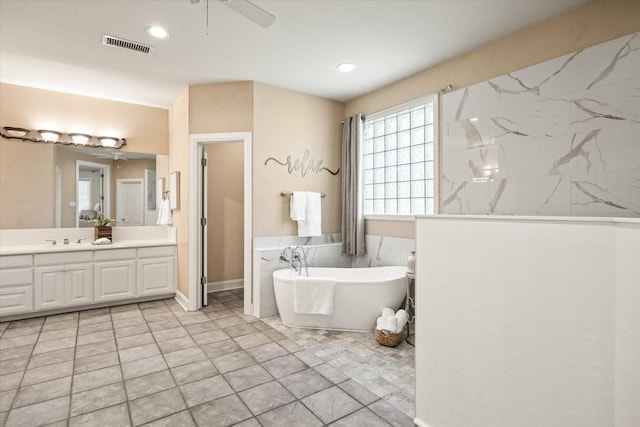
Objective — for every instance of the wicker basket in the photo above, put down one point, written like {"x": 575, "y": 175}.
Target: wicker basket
{"x": 386, "y": 338}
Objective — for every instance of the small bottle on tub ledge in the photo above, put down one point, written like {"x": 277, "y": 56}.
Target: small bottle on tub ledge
{"x": 411, "y": 263}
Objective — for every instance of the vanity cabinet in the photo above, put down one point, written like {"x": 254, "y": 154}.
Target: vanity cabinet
{"x": 156, "y": 270}
{"x": 59, "y": 285}
{"x": 61, "y": 280}
{"x": 16, "y": 285}
{"x": 115, "y": 275}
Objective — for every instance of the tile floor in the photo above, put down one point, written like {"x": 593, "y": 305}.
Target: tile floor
{"x": 155, "y": 364}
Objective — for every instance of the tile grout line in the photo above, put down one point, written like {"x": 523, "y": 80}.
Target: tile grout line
{"x": 124, "y": 385}
{"x": 227, "y": 304}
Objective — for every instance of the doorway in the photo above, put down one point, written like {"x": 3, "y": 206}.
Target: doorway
{"x": 92, "y": 190}
{"x": 198, "y": 245}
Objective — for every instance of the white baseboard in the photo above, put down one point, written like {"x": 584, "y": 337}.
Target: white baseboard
{"x": 182, "y": 300}
{"x": 225, "y": 285}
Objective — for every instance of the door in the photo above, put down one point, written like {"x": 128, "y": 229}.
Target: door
{"x": 129, "y": 202}
{"x": 203, "y": 229}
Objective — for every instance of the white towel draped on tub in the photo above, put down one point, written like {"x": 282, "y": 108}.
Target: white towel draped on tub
{"x": 313, "y": 295}
{"x": 306, "y": 209}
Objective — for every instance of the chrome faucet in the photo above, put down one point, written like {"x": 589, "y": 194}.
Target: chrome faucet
{"x": 53, "y": 242}
{"x": 66, "y": 240}
{"x": 295, "y": 256}
{"x": 80, "y": 240}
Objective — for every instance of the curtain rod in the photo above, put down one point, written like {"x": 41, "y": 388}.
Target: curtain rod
{"x": 362, "y": 117}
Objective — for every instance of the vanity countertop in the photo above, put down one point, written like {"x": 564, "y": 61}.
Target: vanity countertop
{"x": 75, "y": 247}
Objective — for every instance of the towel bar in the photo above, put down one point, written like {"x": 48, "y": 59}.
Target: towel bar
{"x": 288, "y": 193}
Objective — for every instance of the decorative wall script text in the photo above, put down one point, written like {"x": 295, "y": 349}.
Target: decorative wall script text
{"x": 304, "y": 164}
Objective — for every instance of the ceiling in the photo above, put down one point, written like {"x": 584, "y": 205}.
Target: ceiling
{"x": 57, "y": 44}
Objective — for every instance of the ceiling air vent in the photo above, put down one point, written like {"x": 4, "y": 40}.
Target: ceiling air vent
{"x": 126, "y": 44}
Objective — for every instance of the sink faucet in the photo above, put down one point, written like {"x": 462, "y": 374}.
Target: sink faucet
{"x": 53, "y": 242}
{"x": 80, "y": 240}
{"x": 66, "y": 240}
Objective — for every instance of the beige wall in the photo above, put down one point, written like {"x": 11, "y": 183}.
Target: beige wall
{"x": 594, "y": 23}
{"x": 225, "y": 107}
{"x": 286, "y": 124}
{"x": 133, "y": 168}
{"x": 225, "y": 212}
{"x": 207, "y": 108}
{"x": 27, "y": 185}
{"x": 145, "y": 128}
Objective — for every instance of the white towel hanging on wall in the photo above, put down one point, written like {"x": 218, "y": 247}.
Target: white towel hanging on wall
{"x": 312, "y": 223}
{"x": 165, "y": 217}
{"x": 298, "y": 205}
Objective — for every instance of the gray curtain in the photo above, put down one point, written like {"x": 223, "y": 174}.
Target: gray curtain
{"x": 352, "y": 212}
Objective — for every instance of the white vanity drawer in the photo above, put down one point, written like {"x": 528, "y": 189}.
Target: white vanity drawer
{"x": 16, "y": 300}
{"x": 63, "y": 258}
{"x": 113, "y": 254}
{"x": 15, "y": 261}
{"x": 156, "y": 251}
{"x": 16, "y": 276}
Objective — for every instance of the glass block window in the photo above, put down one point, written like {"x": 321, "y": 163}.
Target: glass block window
{"x": 398, "y": 159}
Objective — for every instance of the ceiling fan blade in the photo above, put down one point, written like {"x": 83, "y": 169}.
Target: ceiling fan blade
{"x": 251, "y": 11}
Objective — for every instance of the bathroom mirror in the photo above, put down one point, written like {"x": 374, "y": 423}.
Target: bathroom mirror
{"x": 52, "y": 186}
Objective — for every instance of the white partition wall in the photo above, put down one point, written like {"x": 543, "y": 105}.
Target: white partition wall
{"x": 527, "y": 322}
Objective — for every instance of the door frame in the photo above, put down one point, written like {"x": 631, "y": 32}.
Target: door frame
{"x": 196, "y": 147}
{"x": 119, "y": 183}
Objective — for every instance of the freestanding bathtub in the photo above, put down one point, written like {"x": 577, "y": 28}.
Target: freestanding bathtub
{"x": 360, "y": 295}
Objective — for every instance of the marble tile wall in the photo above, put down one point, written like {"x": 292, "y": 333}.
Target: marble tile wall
{"x": 383, "y": 251}
{"x": 558, "y": 138}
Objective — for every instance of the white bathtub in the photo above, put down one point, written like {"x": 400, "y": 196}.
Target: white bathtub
{"x": 360, "y": 296}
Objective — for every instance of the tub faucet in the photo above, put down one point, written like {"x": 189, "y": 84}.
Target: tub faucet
{"x": 296, "y": 257}
{"x": 283, "y": 254}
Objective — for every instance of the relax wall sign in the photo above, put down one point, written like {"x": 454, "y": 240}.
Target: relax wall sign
{"x": 303, "y": 164}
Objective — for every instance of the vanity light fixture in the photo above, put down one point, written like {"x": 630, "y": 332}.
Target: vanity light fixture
{"x": 50, "y": 135}
{"x": 16, "y": 132}
{"x": 55, "y": 137}
{"x": 80, "y": 138}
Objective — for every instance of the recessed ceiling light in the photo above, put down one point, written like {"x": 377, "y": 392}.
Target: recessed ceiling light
{"x": 157, "y": 32}
{"x": 346, "y": 67}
